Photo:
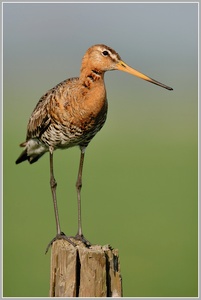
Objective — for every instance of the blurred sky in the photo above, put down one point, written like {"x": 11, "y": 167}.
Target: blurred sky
{"x": 43, "y": 44}
{"x": 47, "y": 41}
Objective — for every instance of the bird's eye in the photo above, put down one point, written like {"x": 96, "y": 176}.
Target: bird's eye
{"x": 105, "y": 53}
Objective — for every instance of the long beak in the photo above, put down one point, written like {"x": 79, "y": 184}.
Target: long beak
{"x": 125, "y": 68}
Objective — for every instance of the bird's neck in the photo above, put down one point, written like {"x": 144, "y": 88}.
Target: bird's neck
{"x": 91, "y": 77}
{"x": 93, "y": 93}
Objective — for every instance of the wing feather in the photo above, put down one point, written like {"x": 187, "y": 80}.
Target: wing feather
{"x": 40, "y": 118}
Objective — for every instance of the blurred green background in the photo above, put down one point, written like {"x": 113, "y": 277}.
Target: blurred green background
{"x": 140, "y": 181}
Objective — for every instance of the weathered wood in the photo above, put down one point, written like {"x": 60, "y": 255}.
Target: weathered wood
{"x": 84, "y": 272}
{"x": 63, "y": 269}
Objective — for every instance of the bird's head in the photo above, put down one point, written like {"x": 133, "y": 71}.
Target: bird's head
{"x": 101, "y": 58}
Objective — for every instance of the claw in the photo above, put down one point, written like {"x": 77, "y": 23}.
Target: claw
{"x": 59, "y": 236}
{"x": 82, "y": 239}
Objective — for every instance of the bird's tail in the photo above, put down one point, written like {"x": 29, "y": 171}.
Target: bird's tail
{"x": 23, "y": 156}
{"x": 30, "y": 152}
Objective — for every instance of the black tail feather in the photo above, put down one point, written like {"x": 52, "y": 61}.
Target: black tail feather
{"x": 23, "y": 156}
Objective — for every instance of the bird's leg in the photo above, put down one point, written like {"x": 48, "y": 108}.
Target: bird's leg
{"x": 78, "y": 187}
{"x": 79, "y": 234}
{"x": 53, "y": 185}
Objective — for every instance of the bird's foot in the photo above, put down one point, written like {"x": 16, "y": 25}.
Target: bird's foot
{"x": 59, "y": 236}
{"x": 80, "y": 237}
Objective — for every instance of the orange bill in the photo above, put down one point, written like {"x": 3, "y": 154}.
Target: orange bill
{"x": 125, "y": 68}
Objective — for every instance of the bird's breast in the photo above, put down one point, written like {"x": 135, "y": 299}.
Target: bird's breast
{"x": 79, "y": 112}
{"x": 79, "y": 105}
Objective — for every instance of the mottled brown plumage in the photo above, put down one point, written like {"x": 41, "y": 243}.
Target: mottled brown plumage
{"x": 71, "y": 113}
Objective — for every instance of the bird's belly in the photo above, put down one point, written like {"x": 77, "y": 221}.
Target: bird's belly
{"x": 71, "y": 129}
{"x": 65, "y": 136}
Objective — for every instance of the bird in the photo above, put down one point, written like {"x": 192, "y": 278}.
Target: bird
{"x": 70, "y": 114}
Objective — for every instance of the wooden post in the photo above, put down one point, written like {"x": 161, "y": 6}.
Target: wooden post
{"x": 84, "y": 272}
